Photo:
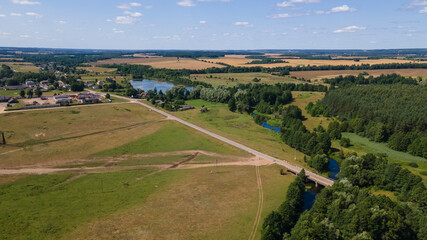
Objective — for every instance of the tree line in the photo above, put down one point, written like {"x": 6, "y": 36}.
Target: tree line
{"x": 394, "y": 114}
{"x": 281, "y": 221}
{"x": 352, "y": 208}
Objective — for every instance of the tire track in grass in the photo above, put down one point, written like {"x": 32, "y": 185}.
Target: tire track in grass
{"x": 260, "y": 204}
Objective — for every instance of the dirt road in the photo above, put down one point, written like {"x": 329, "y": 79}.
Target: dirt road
{"x": 293, "y": 168}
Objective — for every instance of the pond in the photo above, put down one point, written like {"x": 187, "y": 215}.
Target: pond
{"x": 147, "y": 85}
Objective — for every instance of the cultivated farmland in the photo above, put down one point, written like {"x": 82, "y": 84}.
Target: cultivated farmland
{"x": 375, "y": 73}
{"x": 242, "y": 62}
{"x": 161, "y": 62}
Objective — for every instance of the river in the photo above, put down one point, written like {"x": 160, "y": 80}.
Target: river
{"x": 310, "y": 194}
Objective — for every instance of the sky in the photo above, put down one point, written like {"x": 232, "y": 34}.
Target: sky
{"x": 214, "y": 24}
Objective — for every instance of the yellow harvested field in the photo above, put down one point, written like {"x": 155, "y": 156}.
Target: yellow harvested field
{"x": 242, "y": 62}
{"x": 336, "y": 73}
{"x": 161, "y": 62}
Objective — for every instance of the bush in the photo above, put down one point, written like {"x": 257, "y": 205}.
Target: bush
{"x": 413, "y": 164}
{"x": 345, "y": 142}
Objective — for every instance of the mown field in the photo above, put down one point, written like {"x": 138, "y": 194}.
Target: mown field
{"x": 161, "y": 62}
{"x": 133, "y": 197}
{"x": 242, "y": 128}
{"x": 59, "y": 136}
{"x": 362, "y": 145}
{"x": 242, "y": 62}
{"x": 174, "y": 204}
{"x": 21, "y": 66}
{"x": 232, "y": 79}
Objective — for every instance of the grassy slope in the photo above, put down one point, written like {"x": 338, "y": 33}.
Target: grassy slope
{"x": 172, "y": 137}
{"x": 240, "y": 128}
{"x": 197, "y": 205}
{"x": 362, "y": 145}
{"x": 66, "y": 134}
{"x": 40, "y": 207}
{"x": 177, "y": 204}
{"x": 224, "y": 78}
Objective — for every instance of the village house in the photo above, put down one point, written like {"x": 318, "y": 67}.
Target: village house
{"x": 13, "y": 100}
{"x": 17, "y": 87}
{"x": 4, "y": 98}
{"x": 63, "y": 85}
{"x": 30, "y": 84}
{"x": 44, "y": 84}
{"x": 186, "y": 107}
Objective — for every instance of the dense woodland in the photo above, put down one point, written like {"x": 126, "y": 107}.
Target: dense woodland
{"x": 281, "y": 221}
{"x": 395, "y": 114}
{"x": 351, "y": 209}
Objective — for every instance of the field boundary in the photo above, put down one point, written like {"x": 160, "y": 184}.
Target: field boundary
{"x": 260, "y": 204}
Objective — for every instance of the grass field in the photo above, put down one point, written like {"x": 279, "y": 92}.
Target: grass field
{"x": 98, "y": 70}
{"x": 301, "y": 101}
{"x": 10, "y": 93}
{"x": 59, "y": 136}
{"x": 240, "y": 128}
{"x": 242, "y": 62}
{"x": 375, "y": 73}
{"x": 172, "y": 137}
{"x": 225, "y": 78}
{"x": 362, "y": 145}
{"x": 22, "y": 66}
{"x": 194, "y": 205}
{"x": 161, "y": 62}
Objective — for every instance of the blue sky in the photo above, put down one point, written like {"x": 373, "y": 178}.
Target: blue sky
{"x": 214, "y": 24}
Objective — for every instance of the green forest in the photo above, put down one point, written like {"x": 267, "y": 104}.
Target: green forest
{"x": 395, "y": 113}
{"x": 372, "y": 199}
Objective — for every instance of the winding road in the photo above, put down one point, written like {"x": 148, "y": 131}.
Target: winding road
{"x": 324, "y": 181}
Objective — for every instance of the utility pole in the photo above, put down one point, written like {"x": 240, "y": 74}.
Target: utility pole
{"x": 3, "y": 138}
{"x": 295, "y": 154}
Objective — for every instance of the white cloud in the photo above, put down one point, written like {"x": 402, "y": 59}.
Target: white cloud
{"x": 343, "y": 8}
{"x": 2, "y": 15}
{"x": 135, "y": 4}
{"x": 174, "y": 37}
{"x": 243, "y": 24}
{"x": 281, "y": 15}
{"x": 133, "y": 14}
{"x": 117, "y": 31}
{"x": 129, "y": 5}
{"x": 291, "y": 3}
{"x": 15, "y": 14}
{"x": 124, "y": 6}
{"x": 24, "y": 36}
{"x": 25, "y": 2}
{"x": 424, "y": 10}
{"x": 61, "y": 22}
{"x": 33, "y": 14}
{"x": 186, "y": 3}
{"x": 203, "y": 22}
{"x": 349, "y": 29}
{"x": 416, "y": 3}
{"x": 124, "y": 20}
{"x": 214, "y": 0}
{"x": 5, "y": 34}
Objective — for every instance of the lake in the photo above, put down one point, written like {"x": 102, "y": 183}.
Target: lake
{"x": 147, "y": 85}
